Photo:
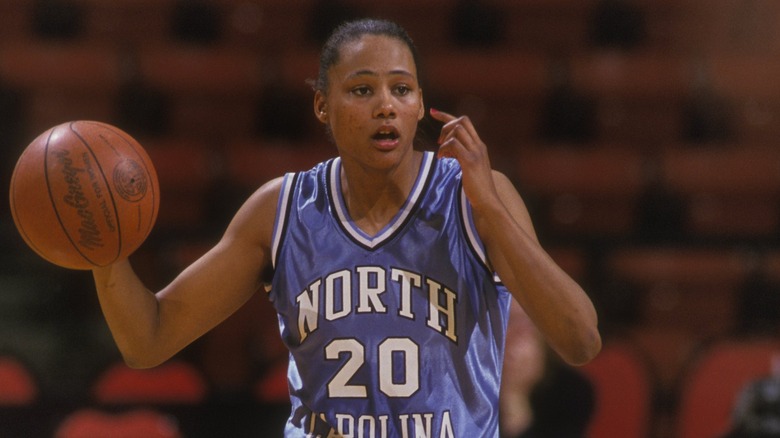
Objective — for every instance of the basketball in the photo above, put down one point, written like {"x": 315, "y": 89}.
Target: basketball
{"x": 84, "y": 194}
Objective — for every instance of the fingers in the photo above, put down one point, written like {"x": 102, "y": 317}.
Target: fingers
{"x": 454, "y": 124}
{"x": 442, "y": 116}
{"x": 458, "y": 135}
{"x": 459, "y": 140}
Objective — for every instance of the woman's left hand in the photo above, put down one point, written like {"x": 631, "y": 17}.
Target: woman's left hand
{"x": 459, "y": 140}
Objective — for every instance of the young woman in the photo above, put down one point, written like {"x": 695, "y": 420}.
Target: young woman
{"x": 391, "y": 270}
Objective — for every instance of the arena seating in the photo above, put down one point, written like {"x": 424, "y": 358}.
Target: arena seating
{"x": 664, "y": 208}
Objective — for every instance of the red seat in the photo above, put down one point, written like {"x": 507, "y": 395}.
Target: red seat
{"x": 182, "y": 164}
{"x": 17, "y": 16}
{"x": 668, "y": 349}
{"x": 735, "y": 170}
{"x": 589, "y": 191}
{"x": 174, "y": 382}
{"x": 689, "y": 288}
{"x": 635, "y": 75}
{"x": 602, "y": 171}
{"x": 730, "y": 191}
{"x": 61, "y": 81}
{"x": 128, "y": 22}
{"x": 250, "y": 164}
{"x": 87, "y": 68}
{"x": 213, "y": 90}
{"x": 623, "y": 393}
{"x": 745, "y": 75}
{"x": 18, "y": 387}
{"x": 503, "y": 75}
{"x": 209, "y": 71}
{"x": 272, "y": 387}
{"x": 638, "y": 92}
{"x": 710, "y": 389}
{"x": 186, "y": 169}
{"x": 91, "y": 423}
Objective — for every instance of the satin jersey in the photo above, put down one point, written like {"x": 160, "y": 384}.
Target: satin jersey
{"x": 400, "y": 334}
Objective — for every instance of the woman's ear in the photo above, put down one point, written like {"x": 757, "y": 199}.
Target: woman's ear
{"x": 320, "y": 107}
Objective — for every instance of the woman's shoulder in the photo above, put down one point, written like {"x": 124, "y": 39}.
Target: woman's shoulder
{"x": 258, "y": 212}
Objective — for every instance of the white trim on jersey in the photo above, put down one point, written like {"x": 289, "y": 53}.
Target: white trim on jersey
{"x": 334, "y": 179}
{"x": 285, "y": 195}
{"x": 471, "y": 231}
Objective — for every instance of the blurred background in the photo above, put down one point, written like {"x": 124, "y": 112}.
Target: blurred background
{"x": 641, "y": 133}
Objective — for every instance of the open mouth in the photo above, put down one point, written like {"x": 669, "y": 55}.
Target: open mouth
{"x": 386, "y": 133}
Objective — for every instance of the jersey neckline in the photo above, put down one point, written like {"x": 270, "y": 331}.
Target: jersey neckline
{"x": 396, "y": 224}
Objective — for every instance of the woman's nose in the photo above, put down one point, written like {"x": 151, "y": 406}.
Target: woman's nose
{"x": 385, "y": 106}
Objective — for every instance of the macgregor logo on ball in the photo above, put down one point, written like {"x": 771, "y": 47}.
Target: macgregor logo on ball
{"x": 89, "y": 234}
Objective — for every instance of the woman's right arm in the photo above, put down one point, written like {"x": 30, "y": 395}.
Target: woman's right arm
{"x": 149, "y": 328}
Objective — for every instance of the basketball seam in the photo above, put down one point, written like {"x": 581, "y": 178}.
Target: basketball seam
{"x": 110, "y": 194}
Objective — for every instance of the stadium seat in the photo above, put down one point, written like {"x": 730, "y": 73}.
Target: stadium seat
{"x": 61, "y": 81}
{"x": 92, "y": 423}
{"x": 212, "y": 90}
{"x": 637, "y": 75}
{"x": 691, "y": 288}
{"x": 18, "y": 386}
{"x": 623, "y": 391}
{"x": 710, "y": 388}
{"x": 503, "y": 75}
{"x": 587, "y": 191}
{"x": 730, "y": 191}
{"x": 174, "y": 382}
{"x": 186, "y": 168}
{"x": 128, "y": 22}
{"x": 251, "y": 163}
{"x": 89, "y": 68}
{"x": 16, "y": 20}
{"x": 272, "y": 387}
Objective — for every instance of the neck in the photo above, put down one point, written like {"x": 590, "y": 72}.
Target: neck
{"x": 373, "y": 197}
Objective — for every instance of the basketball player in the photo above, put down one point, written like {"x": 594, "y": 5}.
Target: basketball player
{"x": 391, "y": 270}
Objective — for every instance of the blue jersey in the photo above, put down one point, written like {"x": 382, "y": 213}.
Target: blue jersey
{"x": 400, "y": 334}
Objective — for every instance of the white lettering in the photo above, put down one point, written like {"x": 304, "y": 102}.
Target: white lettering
{"x": 308, "y": 309}
{"x": 446, "y": 426}
{"x": 340, "y": 425}
{"x": 411, "y": 357}
{"x": 422, "y": 430}
{"x": 414, "y": 425}
{"x": 404, "y": 425}
{"x": 339, "y": 385}
{"x": 363, "y": 422}
{"x": 407, "y": 280}
{"x": 367, "y": 289}
{"x": 436, "y": 309}
{"x": 369, "y": 295}
{"x": 344, "y": 278}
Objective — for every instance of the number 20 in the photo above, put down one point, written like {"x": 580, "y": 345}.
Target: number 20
{"x": 339, "y": 385}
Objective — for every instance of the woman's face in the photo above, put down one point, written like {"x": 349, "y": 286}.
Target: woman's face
{"x": 373, "y": 102}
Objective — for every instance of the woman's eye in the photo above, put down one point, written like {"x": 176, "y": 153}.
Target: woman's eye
{"x": 402, "y": 90}
{"x": 361, "y": 91}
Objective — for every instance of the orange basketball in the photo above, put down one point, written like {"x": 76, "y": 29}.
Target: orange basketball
{"x": 84, "y": 194}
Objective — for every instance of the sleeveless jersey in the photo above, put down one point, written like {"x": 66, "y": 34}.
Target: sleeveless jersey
{"x": 400, "y": 334}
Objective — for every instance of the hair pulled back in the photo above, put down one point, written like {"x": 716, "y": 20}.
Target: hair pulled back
{"x": 352, "y": 31}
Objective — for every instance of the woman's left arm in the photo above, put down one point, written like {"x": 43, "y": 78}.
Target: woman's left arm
{"x": 557, "y": 305}
{"x": 553, "y": 300}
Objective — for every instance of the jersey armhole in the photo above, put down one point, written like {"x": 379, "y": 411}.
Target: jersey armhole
{"x": 474, "y": 241}
{"x": 283, "y": 206}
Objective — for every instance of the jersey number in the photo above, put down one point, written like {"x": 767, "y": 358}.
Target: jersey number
{"x": 339, "y": 385}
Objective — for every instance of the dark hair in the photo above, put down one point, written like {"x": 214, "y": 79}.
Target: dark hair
{"x": 352, "y": 31}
